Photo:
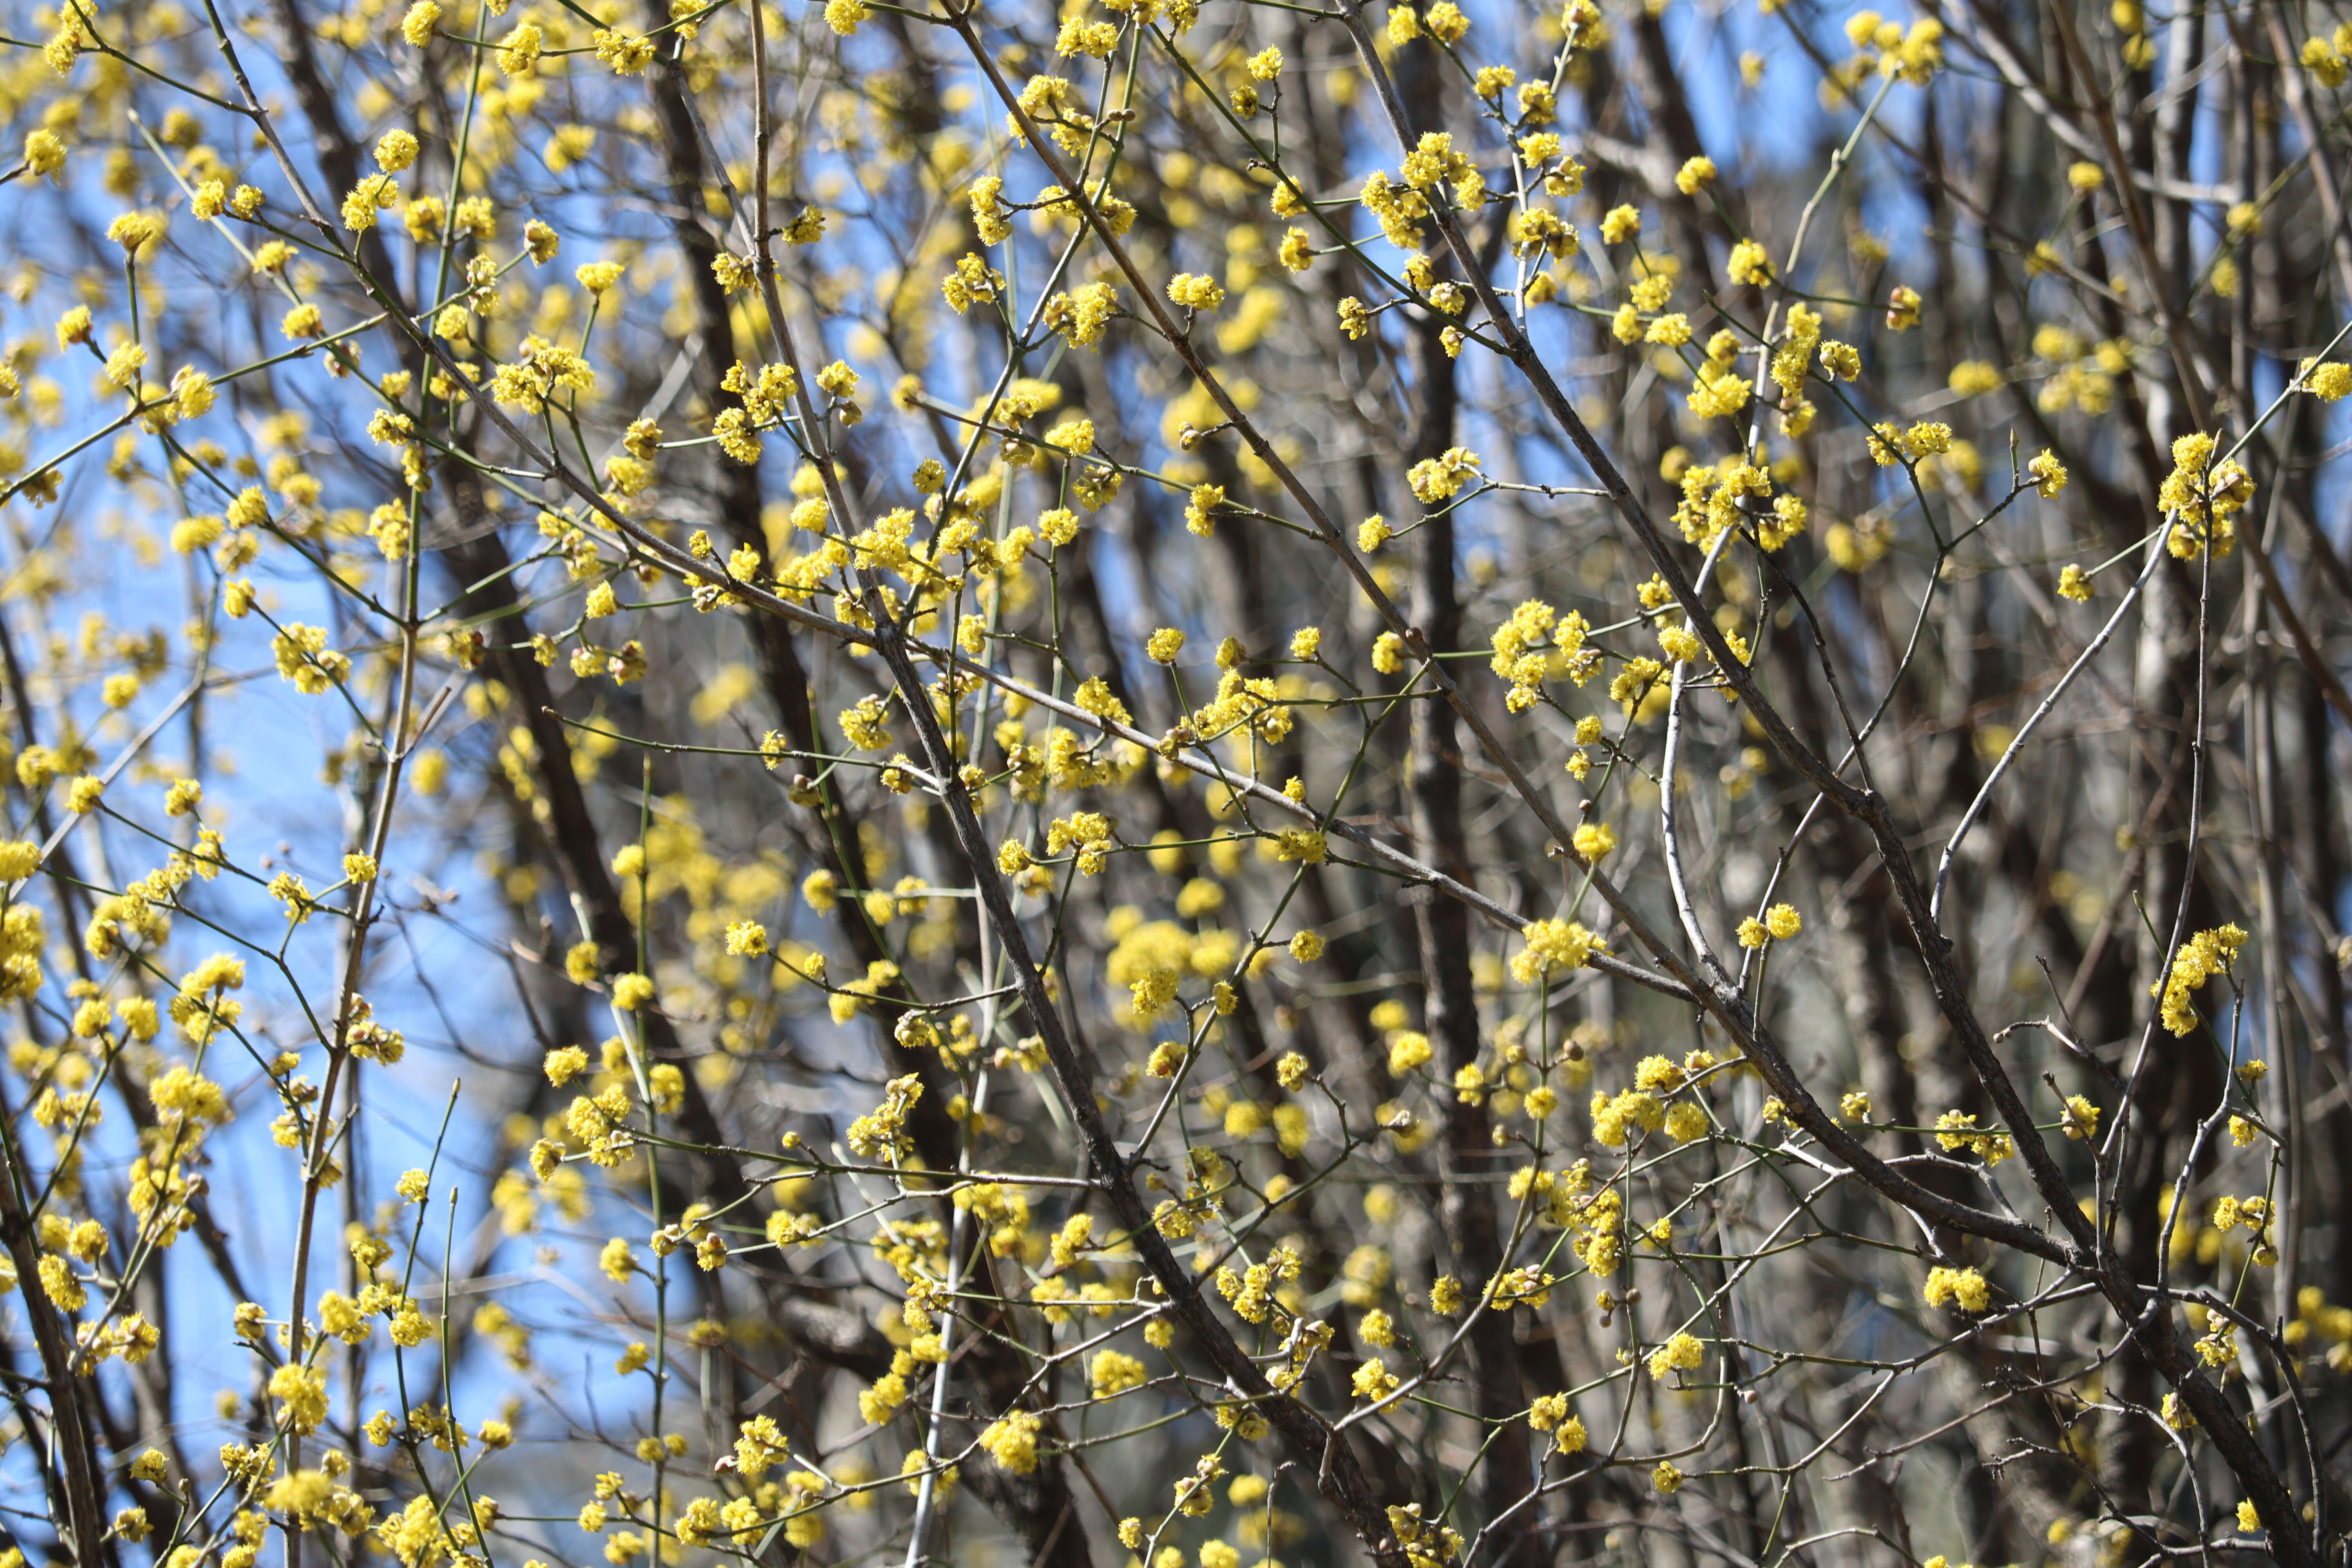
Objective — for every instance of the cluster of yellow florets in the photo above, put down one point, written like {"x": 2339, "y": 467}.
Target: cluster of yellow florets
{"x": 1540, "y": 643}
{"x": 1964, "y": 1288}
{"x": 2200, "y": 959}
{"x": 1780, "y": 922}
{"x": 2204, "y": 498}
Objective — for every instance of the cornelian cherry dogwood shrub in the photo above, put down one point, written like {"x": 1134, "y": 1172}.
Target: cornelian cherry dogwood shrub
{"x": 1173, "y": 782}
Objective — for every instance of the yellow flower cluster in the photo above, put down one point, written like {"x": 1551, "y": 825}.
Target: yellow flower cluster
{"x": 1539, "y": 643}
{"x": 1957, "y": 1130}
{"x": 2204, "y": 498}
{"x": 1553, "y": 945}
{"x": 881, "y": 1134}
{"x": 2200, "y": 959}
{"x": 1965, "y": 1287}
{"x": 1681, "y": 1353}
{"x": 1780, "y": 922}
